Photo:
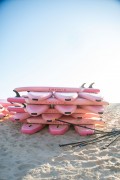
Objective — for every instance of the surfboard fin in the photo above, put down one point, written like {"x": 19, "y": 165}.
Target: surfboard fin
{"x": 91, "y": 85}
{"x": 17, "y": 93}
{"x": 83, "y": 85}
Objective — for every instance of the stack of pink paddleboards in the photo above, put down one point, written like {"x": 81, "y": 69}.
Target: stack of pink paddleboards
{"x": 58, "y": 108}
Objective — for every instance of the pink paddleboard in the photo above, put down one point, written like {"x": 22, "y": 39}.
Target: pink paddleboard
{"x": 35, "y": 110}
{"x": 16, "y": 109}
{"x": 91, "y": 96}
{"x": 66, "y": 109}
{"x": 2, "y": 115}
{"x": 51, "y": 117}
{"x": 20, "y": 117}
{"x": 48, "y": 89}
{"x": 77, "y": 115}
{"x": 84, "y": 131}
{"x": 85, "y": 115}
{"x": 49, "y": 111}
{"x": 1, "y": 108}
{"x": 39, "y": 96}
{"x": 31, "y": 128}
{"x": 58, "y": 129}
{"x": 78, "y": 101}
{"x": 4, "y": 104}
{"x": 90, "y": 89}
{"x": 78, "y": 110}
{"x": 66, "y": 96}
{"x": 69, "y": 119}
{"x": 17, "y": 100}
{"x": 94, "y": 109}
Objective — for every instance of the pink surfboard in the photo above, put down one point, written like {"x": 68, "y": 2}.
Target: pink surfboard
{"x": 78, "y": 110}
{"x": 1, "y": 108}
{"x": 78, "y": 101}
{"x": 87, "y": 121}
{"x": 3, "y": 112}
{"x": 31, "y": 128}
{"x": 57, "y": 89}
{"x": 66, "y": 96}
{"x": 91, "y": 96}
{"x": 77, "y": 115}
{"x": 16, "y": 109}
{"x": 49, "y": 111}
{"x": 66, "y": 109}
{"x": 84, "y": 131}
{"x": 2, "y": 115}
{"x": 94, "y": 109}
{"x": 66, "y": 119}
{"x": 17, "y": 100}
{"x": 35, "y": 110}
{"x": 85, "y": 115}
{"x": 90, "y": 115}
{"x": 20, "y": 117}
{"x": 90, "y": 89}
{"x": 48, "y": 89}
{"x": 39, "y": 96}
{"x": 51, "y": 117}
{"x": 58, "y": 129}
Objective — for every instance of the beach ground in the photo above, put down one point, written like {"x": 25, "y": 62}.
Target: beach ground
{"x": 38, "y": 156}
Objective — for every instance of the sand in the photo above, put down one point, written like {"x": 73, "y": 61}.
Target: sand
{"x": 38, "y": 156}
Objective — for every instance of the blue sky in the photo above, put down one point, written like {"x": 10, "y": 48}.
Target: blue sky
{"x": 60, "y": 43}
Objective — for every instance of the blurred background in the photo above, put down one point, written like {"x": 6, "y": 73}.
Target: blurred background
{"x": 60, "y": 43}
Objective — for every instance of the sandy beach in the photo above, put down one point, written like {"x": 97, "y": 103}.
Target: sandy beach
{"x": 38, "y": 156}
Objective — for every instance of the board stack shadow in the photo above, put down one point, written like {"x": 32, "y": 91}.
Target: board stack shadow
{"x": 58, "y": 108}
